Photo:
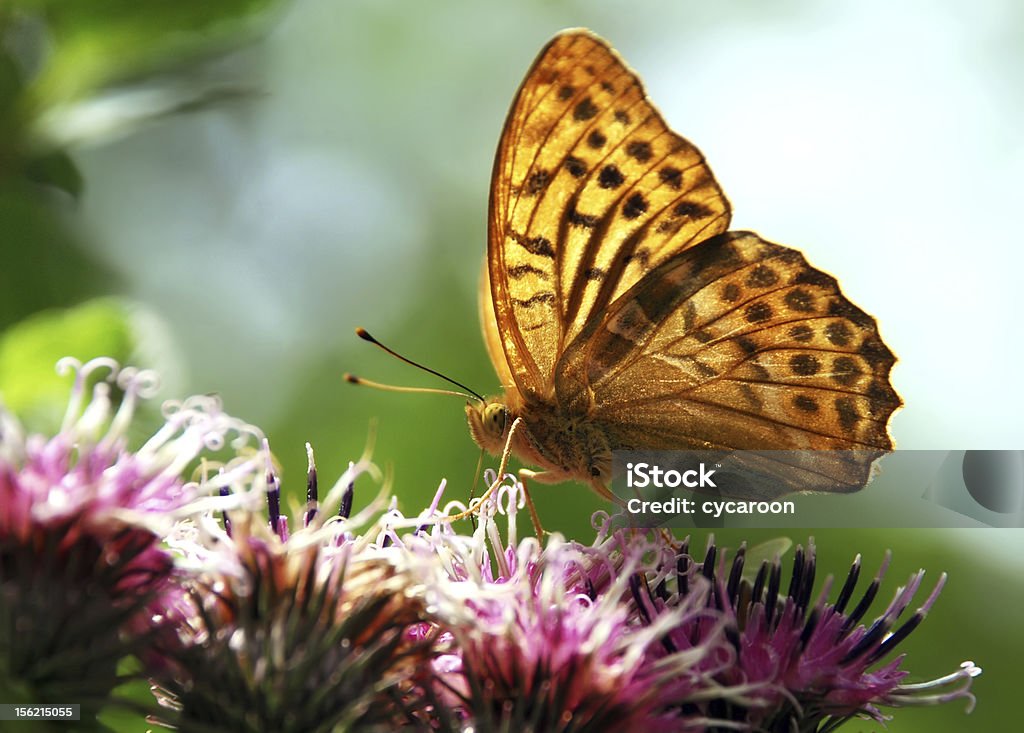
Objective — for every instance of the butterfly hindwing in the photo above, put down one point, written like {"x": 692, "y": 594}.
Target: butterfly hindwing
{"x": 590, "y": 191}
{"x": 737, "y": 343}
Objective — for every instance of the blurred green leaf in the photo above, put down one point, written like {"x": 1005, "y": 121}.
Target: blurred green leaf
{"x": 10, "y": 128}
{"x": 131, "y": 702}
{"x": 58, "y": 170}
{"x": 10, "y": 82}
{"x": 29, "y": 384}
{"x": 40, "y": 263}
{"x": 100, "y": 42}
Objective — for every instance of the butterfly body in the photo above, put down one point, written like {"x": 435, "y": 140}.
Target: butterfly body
{"x": 564, "y": 445}
{"x": 620, "y": 313}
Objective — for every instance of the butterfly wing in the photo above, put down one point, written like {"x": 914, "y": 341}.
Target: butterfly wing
{"x": 737, "y": 343}
{"x": 492, "y": 335}
{"x": 590, "y": 190}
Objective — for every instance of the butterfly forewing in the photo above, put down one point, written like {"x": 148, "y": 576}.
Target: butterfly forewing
{"x": 590, "y": 191}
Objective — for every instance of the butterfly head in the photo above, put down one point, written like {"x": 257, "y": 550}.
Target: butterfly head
{"x": 489, "y": 422}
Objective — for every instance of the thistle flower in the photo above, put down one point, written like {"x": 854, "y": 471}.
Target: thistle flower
{"x": 80, "y": 532}
{"x": 316, "y": 629}
{"x": 544, "y": 638}
{"x": 245, "y": 622}
{"x": 808, "y": 666}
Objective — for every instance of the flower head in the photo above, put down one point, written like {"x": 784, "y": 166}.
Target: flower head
{"x": 547, "y": 638}
{"x": 80, "y": 531}
{"x": 316, "y": 628}
{"x": 806, "y": 664}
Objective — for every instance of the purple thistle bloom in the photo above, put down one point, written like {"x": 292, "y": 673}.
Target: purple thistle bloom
{"x": 81, "y": 522}
{"x": 810, "y": 665}
{"x": 631, "y": 633}
{"x": 316, "y": 628}
{"x": 376, "y": 620}
{"x": 547, "y": 639}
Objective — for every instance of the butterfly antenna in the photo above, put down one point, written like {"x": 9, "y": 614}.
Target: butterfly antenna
{"x": 353, "y": 379}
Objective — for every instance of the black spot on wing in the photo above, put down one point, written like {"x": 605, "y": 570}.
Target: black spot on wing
{"x": 805, "y": 365}
{"x": 671, "y": 177}
{"x": 838, "y": 333}
{"x": 762, "y": 276}
{"x": 691, "y": 210}
{"x": 670, "y": 226}
{"x": 635, "y": 205}
{"x": 758, "y": 312}
{"x": 639, "y": 150}
{"x": 704, "y": 369}
{"x": 642, "y": 257}
{"x": 535, "y": 300}
{"x": 517, "y": 272}
{"x": 585, "y": 110}
{"x": 750, "y": 396}
{"x": 610, "y": 177}
{"x": 577, "y": 168}
{"x": 760, "y": 371}
{"x": 534, "y": 245}
{"x": 845, "y": 371}
{"x": 805, "y": 403}
{"x": 731, "y": 293}
{"x": 748, "y": 344}
{"x": 846, "y": 309}
{"x": 816, "y": 278}
{"x": 847, "y": 413}
{"x": 800, "y": 301}
{"x": 537, "y": 181}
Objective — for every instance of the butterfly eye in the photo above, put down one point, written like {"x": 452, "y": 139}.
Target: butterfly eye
{"x": 494, "y": 419}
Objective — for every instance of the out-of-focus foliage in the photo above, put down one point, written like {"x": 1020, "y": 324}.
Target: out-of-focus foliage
{"x": 56, "y": 59}
{"x": 29, "y": 350}
{"x": 99, "y": 42}
{"x": 56, "y": 53}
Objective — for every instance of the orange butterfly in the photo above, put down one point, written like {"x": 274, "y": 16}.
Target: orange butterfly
{"x": 620, "y": 313}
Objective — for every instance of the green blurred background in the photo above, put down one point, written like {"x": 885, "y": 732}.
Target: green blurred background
{"x": 250, "y": 181}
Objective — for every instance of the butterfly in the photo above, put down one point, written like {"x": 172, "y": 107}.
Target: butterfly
{"x": 621, "y": 313}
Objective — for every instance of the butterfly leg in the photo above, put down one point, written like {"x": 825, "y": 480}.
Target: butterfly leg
{"x": 506, "y": 454}
{"x": 524, "y": 475}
